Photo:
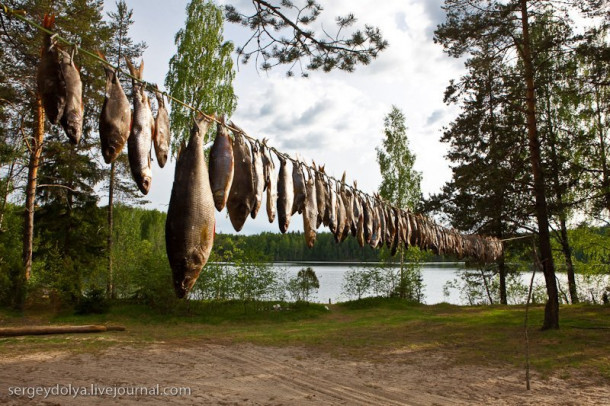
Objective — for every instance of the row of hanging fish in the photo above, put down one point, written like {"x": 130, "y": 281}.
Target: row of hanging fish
{"x": 140, "y": 130}
{"x": 242, "y": 170}
{"x": 61, "y": 91}
{"x": 59, "y": 86}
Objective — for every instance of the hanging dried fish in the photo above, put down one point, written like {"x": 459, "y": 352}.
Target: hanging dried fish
{"x": 270, "y": 182}
{"x": 310, "y": 212}
{"x": 285, "y": 196}
{"x": 161, "y": 136}
{"x": 258, "y": 176}
{"x": 321, "y": 195}
{"x": 331, "y": 208}
{"x": 221, "y": 166}
{"x": 51, "y": 84}
{"x": 242, "y": 196}
{"x": 298, "y": 181}
{"x": 340, "y": 210}
{"x": 190, "y": 223}
{"x": 72, "y": 117}
{"x": 139, "y": 142}
{"x": 115, "y": 118}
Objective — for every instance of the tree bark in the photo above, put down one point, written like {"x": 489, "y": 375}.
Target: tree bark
{"x": 110, "y": 290}
{"x": 30, "y": 191}
{"x": 44, "y": 330}
{"x": 502, "y": 272}
{"x": 567, "y": 253}
{"x": 602, "y": 144}
{"x": 561, "y": 209}
{"x": 551, "y": 312}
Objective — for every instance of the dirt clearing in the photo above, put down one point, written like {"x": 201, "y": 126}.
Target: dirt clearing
{"x": 259, "y": 375}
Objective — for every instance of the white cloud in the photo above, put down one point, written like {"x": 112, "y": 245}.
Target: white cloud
{"x": 337, "y": 118}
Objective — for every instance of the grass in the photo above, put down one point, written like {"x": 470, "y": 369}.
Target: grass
{"x": 365, "y": 329}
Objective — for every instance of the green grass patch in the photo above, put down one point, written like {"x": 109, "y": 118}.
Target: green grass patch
{"x": 372, "y": 328}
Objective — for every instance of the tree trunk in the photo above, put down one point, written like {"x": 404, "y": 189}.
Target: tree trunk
{"x": 403, "y": 288}
{"x": 491, "y": 300}
{"x": 602, "y": 145}
{"x": 561, "y": 209}
{"x": 567, "y": 253}
{"x": 30, "y": 190}
{"x": 502, "y": 272}
{"x": 110, "y": 290}
{"x": 551, "y": 312}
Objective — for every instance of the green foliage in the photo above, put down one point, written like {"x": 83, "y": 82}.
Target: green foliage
{"x": 10, "y": 252}
{"x": 93, "y": 302}
{"x": 356, "y": 283}
{"x": 400, "y": 184}
{"x": 303, "y": 285}
{"x": 282, "y": 35}
{"x": 201, "y": 72}
{"x": 291, "y": 246}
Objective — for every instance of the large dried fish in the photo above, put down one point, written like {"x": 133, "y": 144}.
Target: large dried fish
{"x": 115, "y": 118}
{"x": 310, "y": 212}
{"x": 139, "y": 143}
{"x": 285, "y": 196}
{"x": 242, "y": 196}
{"x": 72, "y": 119}
{"x": 161, "y": 136}
{"x": 221, "y": 166}
{"x": 270, "y": 182}
{"x": 51, "y": 83}
{"x": 298, "y": 183}
{"x": 189, "y": 227}
{"x": 258, "y": 176}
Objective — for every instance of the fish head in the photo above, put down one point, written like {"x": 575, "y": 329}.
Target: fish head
{"x": 162, "y": 156}
{"x": 144, "y": 180}
{"x": 109, "y": 153}
{"x": 72, "y": 123}
{"x": 184, "y": 286}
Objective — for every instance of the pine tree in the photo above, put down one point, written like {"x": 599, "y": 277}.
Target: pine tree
{"x": 282, "y": 34}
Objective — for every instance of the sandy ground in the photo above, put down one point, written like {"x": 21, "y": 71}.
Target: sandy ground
{"x": 244, "y": 374}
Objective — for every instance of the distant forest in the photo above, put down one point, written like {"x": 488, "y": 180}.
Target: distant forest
{"x": 291, "y": 247}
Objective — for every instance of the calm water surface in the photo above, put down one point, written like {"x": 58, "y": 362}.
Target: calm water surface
{"x": 330, "y": 275}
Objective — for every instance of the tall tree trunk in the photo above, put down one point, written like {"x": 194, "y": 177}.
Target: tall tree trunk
{"x": 567, "y": 253}
{"x": 602, "y": 144}
{"x": 110, "y": 291}
{"x": 561, "y": 209}
{"x": 551, "y": 311}
{"x": 403, "y": 287}
{"x": 30, "y": 190}
{"x": 502, "y": 272}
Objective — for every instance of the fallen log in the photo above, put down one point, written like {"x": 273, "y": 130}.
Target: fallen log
{"x": 43, "y": 330}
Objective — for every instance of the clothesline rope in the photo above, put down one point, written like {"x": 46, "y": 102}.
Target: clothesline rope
{"x": 20, "y": 14}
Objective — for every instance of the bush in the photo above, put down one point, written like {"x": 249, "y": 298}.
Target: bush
{"x": 93, "y": 302}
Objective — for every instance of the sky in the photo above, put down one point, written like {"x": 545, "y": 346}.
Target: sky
{"x": 336, "y": 118}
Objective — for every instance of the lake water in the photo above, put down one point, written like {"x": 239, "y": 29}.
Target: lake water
{"x": 435, "y": 276}
{"x": 330, "y": 275}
